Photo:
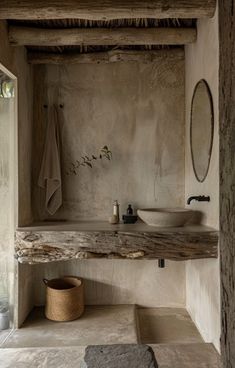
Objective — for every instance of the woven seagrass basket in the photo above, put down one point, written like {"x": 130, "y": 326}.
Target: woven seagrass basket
{"x": 64, "y": 298}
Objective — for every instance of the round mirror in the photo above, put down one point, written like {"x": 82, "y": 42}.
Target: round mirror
{"x": 201, "y": 129}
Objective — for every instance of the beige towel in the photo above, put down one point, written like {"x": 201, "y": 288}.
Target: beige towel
{"x": 50, "y": 173}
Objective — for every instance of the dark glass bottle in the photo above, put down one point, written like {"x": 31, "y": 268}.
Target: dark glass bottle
{"x": 129, "y": 210}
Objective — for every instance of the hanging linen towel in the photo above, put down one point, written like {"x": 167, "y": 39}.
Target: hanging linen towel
{"x": 50, "y": 173}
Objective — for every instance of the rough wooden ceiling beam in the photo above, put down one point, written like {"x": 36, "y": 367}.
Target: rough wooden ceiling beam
{"x": 105, "y": 9}
{"x": 100, "y": 36}
{"x": 103, "y": 57}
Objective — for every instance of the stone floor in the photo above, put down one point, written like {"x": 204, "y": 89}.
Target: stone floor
{"x": 170, "y": 332}
{"x": 167, "y": 356}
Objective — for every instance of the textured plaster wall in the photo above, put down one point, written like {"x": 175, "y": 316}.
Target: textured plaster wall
{"x": 120, "y": 281}
{"x": 203, "y": 276}
{"x": 138, "y": 111}
{"x": 14, "y": 59}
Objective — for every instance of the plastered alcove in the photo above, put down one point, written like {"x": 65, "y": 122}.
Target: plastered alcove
{"x": 137, "y": 109}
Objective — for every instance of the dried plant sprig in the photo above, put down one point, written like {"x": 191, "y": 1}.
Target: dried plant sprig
{"x": 104, "y": 153}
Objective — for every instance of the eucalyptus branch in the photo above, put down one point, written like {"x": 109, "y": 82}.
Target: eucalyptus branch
{"x": 104, "y": 153}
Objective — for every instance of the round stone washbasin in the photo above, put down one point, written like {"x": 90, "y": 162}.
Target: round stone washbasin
{"x": 165, "y": 217}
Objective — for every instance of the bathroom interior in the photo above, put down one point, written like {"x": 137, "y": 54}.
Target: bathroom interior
{"x": 138, "y": 121}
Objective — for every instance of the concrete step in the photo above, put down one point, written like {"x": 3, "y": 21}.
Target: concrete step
{"x": 98, "y": 325}
{"x": 166, "y": 326}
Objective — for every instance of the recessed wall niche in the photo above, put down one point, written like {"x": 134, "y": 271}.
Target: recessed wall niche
{"x": 137, "y": 110}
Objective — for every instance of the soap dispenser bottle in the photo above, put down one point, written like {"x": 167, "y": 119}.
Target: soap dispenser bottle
{"x": 129, "y": 210}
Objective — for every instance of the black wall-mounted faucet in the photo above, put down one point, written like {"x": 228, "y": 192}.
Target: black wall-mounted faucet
{"x": 200, "y": 198}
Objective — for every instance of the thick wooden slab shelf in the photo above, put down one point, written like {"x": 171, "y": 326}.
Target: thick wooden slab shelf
{"x": 48, "y": 242}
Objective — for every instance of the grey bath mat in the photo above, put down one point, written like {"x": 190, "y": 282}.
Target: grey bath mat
{"x": 119, "y": 356}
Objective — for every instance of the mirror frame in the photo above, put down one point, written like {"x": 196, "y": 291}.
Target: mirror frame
{"x": 212, "y": 128}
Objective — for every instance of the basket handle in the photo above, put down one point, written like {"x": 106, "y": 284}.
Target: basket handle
{"x": 45, "y": 281}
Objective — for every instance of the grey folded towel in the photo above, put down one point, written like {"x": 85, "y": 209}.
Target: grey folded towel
{"x": 50, "y": 173}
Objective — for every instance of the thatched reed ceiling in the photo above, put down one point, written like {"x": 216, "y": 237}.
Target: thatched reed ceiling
{"x": 78, "y": 23}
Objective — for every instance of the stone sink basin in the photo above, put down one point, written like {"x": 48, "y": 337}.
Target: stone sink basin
{"x": 165, "y": 217}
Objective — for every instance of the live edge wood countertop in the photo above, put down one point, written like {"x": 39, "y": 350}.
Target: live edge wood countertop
{"x": 60, "y": 241}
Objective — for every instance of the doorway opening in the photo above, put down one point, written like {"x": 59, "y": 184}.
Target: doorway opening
{"x": 8, "y": 197}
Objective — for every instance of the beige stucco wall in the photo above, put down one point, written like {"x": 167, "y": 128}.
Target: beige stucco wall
{"x": 14, "y": 59}
{"x": 137, "y": 109}
{"x": 203, "y": 276}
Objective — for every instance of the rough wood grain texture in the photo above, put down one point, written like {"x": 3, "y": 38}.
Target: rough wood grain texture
{"x": 227, "y": 178}
{"x": 105, "y": 10}
{"x": 104, "y": 57}
{"x": 30, "y": 36}
{"x": 35, "y": 246}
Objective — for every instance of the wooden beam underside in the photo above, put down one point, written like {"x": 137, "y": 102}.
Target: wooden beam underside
{"x": 104, "y": 57}
{"x": 105, "y": 9}
{"x": 29, "y": 36}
